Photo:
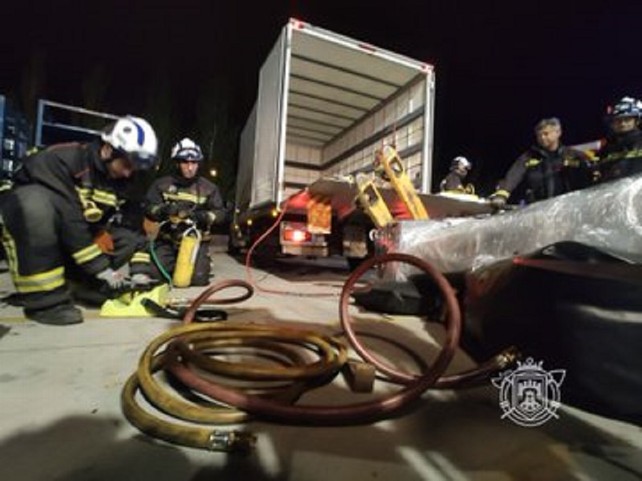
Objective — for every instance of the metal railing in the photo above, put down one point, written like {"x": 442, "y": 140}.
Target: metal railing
{"x": 45, "y": 120}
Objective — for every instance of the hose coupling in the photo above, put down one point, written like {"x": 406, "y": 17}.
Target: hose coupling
{"x": 231, "y": 441}
{"x": 508, "y": 357}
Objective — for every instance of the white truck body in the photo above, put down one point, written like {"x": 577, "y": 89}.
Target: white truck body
{"x": 325, "y": 104}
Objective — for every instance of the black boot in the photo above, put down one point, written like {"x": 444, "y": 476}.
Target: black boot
{"x": 58, "y": 315}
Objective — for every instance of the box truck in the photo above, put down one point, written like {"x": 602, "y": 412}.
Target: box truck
{"x": 325, "y": 104}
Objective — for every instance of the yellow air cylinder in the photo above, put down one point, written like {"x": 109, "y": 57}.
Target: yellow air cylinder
{"x": 186, "y": 259}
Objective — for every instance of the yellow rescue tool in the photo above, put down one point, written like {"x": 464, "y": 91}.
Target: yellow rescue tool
{"x": 186, "y": 259}
{"x": 396, "y": 172}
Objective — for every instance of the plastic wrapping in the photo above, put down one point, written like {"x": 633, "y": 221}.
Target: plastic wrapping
{"x": 606, "y": 216}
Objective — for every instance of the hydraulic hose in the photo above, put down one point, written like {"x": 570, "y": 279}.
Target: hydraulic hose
{"x": 223, "y": 392}
{"x": 327, "y": 414}
{"x": 463, "y": 379}
{"x": 205, "y": 297}
{"x": 206, "y": 337}
{"x": 157, "y": 261}
{"x": 288, "y": 376}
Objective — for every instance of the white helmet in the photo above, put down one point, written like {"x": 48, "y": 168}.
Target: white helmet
{"x": 187, "y": 149}
{"x": 626, "y": 107}
{"x": 134, "y": 137}
{"x": 462, "y": 162}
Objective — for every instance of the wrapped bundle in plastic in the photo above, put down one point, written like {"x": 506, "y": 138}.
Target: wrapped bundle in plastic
{"x": 606, "y": 216}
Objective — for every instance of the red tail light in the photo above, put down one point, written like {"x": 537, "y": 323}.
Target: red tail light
{"x": 296, "y": 235}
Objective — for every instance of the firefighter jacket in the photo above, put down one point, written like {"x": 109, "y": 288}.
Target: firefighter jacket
{"x": 621, "y": 156}
{"x": 175, "y": 199}
{"x": 454, "y": 183}
{"x": 76, "y": 173}
{"x": 547, "y": 174}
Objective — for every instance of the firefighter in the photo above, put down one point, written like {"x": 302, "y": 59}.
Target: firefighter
{"x": 454, "y": 181}
{"x": 63, "y": 218}
{"x": 179, "y": 201}
{"x": 548, "y": 168}
{"x": 621, "y": 154}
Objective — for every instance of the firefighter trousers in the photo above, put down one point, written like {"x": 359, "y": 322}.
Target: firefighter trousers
{"x": 34, "y": 245}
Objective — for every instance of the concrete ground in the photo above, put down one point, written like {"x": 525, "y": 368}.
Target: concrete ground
{"x": 60, "y": 415}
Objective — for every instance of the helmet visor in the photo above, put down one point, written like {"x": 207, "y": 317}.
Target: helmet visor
{"x": 189, "y": 155}
{"x": 137, "y": 161}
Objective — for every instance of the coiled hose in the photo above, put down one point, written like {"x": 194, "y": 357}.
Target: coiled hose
{"x": 459, "y": 380}
{"x": 291, "y": 374}
{"x": 268, "y": 390}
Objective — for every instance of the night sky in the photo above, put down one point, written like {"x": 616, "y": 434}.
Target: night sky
{"x": 501, "y": 65}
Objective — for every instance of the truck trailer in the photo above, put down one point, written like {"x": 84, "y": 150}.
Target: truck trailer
{"x": 325, "y": 104}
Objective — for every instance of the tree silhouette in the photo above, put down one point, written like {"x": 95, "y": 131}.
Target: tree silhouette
{"x": 32, "y": 84}
{"x": 218, "y": 132}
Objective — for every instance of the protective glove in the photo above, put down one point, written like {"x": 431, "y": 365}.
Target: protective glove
{"x": 204, "y": 218}
{"x": 114, "y": 279}
{"x": 497, "y": 201}
{"x": 141, "y": 280}
{"x": 165, "y": 211}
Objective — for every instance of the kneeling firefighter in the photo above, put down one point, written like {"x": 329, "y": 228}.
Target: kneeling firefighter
{"x": 186, "y": 205}
{"x": 63, "y": 220}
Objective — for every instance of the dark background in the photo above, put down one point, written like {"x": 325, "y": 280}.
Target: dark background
{"x": 191, "y": 66}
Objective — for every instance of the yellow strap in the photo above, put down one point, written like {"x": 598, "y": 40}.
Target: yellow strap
{"x": 104, "y": 197}
{"x": 184, "y": 196}
{"x": 87, "y": 254}
{"x": 502, "y": 193}
{"x": 44, "y": 281}
{"x": 141, "y": 257}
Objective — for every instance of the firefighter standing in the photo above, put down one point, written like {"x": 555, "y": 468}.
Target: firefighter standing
{"x": 454, "y": 181}
{"x": 621, "y": 155}
{"x": 66, "y": 197}
{"x": 179, "y": 201}
{"x": 548, "y": 168}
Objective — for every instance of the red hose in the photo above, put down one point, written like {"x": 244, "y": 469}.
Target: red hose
{"x": 440, "y": 280}
{"x": 328, "y": 414}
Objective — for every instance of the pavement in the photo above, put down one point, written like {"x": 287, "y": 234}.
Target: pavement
{"x": 60, "y": 414}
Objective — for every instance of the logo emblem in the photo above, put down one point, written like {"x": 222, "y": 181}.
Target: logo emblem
{"x": 529, "y": 395}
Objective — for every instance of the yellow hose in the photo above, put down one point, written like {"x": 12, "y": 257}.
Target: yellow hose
{"x": 284, "y": 382}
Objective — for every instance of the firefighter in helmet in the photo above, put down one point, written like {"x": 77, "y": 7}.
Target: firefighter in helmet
{"x": 621, "y": 154}
{"x": 63, "y": 219}
{"x": 454, "y": 182}
{"x": 179, "y": 201}
{"x": 548, "y": 168}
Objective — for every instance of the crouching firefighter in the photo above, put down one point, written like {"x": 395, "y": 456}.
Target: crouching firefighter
{"x": 186, "y": 205}
{"x": 64, "y": 200}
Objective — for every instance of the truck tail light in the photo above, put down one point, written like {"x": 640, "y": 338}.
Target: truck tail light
{"x": 291, "y": 234}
